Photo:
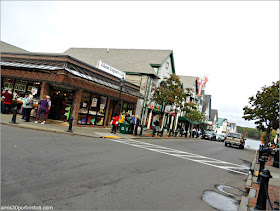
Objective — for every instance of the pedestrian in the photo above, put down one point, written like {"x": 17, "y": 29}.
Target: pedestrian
{"x": 28, "y": 107}
{"x": 137, "y": 123}
{"x": 42, "y": 110}
{"x": 48, "y": 98}
{"x": 24, "y": 105}
{"x": 127, "y": 117}
{"x": 155, "y": 118}
{"x": 115, "y": 120}
{"x": 121, "y": 119}
{"x": 7, "y": 101}
{"x": 194, "y": 133}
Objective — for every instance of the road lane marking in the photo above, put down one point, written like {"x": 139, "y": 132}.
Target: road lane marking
{"x": 186, "y": 155}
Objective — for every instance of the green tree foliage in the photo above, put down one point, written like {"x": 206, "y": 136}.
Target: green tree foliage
{"x": 195, "y": 116}
{"x": 252, "y": 133}
{"x": 264, "y": 109}
{"x": 172, "y": 93}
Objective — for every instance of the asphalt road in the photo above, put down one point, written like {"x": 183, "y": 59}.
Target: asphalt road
{"x": 80, "y": 173}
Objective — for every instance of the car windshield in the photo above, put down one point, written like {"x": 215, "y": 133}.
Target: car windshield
{"x": 209, "y": 133}
{"x": 234, "y": 135}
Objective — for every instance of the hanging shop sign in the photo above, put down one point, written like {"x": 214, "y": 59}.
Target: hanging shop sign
{"x": 157, "y": 107}
{"x": 111, "y": 70}
{"x": 167, "y": 109}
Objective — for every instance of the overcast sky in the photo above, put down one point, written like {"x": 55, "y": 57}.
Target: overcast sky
{"x": 234, "y": 43}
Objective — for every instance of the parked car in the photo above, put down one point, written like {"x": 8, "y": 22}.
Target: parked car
{"x": 220, "y": 137}
{"x": 210, "y": 135}
{"x": 235, "y": 139}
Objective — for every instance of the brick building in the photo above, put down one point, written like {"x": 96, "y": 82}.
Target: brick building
{"x": 92, "y": 95}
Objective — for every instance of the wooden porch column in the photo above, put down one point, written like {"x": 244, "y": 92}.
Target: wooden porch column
{"x": 76, "y": 105}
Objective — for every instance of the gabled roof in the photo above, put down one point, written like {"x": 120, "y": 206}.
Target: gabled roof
{"x": 126, "y": 60}
{"x": 214, "y": 113}
{"x": 6, "y": 47}
{"x": 188, "y": 81}
{"x": 220, "y": 121}
{"x": 207, "y": 99}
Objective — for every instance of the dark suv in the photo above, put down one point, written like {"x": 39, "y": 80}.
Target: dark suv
{"x": 210, "y": 135}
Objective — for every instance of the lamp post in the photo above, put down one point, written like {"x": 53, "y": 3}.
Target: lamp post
{"x": 121, "y": 86}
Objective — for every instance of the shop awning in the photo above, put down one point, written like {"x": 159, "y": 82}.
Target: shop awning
{"x": 184, "y": 119}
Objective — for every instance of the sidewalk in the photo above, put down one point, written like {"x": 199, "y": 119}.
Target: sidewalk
{"x": 62, "y": 127}
{"x": 249, "y": 200}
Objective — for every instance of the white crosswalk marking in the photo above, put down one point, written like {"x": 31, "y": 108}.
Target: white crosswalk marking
{"x": 186, "y": 155}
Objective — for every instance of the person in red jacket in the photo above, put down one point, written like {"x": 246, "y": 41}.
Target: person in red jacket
{"x": 7, "y": 101}
{"x": 115, "y": 122}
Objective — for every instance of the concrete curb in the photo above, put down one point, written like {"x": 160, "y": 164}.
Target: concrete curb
{"x": 248, "y": 186}
{"x": 79, "y": 134}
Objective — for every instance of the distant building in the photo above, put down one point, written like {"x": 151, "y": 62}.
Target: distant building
{"x": 231, "y": 127}
{"x": 221, "y": 125}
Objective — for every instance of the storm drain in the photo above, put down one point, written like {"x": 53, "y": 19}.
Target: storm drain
{"x": 219, "y": 201}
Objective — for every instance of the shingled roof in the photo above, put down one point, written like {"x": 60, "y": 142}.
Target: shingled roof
{"x": 8, "y": 48}
{"x": 188, "y": 81}
{"x": 126, "y": 60}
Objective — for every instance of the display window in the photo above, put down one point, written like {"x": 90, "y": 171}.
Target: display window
{"x": 128, "y": 107}
{"x": 92, "y": 109}
{"x": 19, "y": 90}
{"x": 20, "y": 87}
{"x": 7, "y": 84}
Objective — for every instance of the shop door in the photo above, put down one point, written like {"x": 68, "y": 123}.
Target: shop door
{"x": 61, "y": 102}
{"x": 112, "y": 110}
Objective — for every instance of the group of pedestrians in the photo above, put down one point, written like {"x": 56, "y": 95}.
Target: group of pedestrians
{"x": 27, "y": 106}
{"x": 118, "y": 120}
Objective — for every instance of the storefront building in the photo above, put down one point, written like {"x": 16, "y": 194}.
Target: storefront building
{"x": 91, "y": 94}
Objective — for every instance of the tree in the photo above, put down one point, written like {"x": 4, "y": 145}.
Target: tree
{"x": 171, "y": 93}
{"x": 264, "y": 109}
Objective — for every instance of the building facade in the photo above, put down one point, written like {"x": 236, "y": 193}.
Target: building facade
{"x": 91, "y": 95}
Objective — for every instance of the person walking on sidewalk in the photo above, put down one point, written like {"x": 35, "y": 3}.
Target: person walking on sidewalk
{"x": 42, "y": 110}
{"x": 115, "y": 123}
{"x": 137, "y": 123}
{"x": 7, "y": 101}
{"x": 28, "y": 107}
{"x": 48, "y": 98}
{"x": 24, "y": 105}
{"x": 121, "y": 119}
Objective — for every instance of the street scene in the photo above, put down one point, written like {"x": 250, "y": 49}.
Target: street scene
{"x": 110, "y": 109}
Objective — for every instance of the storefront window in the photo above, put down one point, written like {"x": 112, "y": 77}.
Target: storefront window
{"x": 34, "y": 88}
{"x": 92, "y": 109}
{"x": 20, "y": 87}
{"x": 128, "y": 107}
{"x": 7, "y": 84}
{"x": 19, "y": 90}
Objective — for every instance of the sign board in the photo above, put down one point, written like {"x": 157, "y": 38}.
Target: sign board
{"x": 111, "y": 70}
{"x": 201, "y": 84}
{"x": 34, "y": 90}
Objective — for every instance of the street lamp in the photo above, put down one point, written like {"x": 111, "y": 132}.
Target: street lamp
{"x": 119, "y": 104}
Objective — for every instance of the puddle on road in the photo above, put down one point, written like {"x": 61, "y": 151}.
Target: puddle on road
{"x": 230, "y": 190}
{"x": 219, "y": 201}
